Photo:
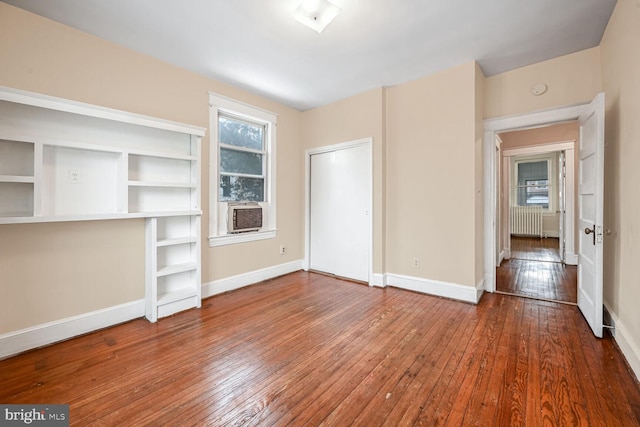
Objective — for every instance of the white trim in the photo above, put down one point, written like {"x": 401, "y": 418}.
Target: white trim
{"x": 493, "y": 127}
{"x": 241, "y": 280}
{"x": 94, "y": 217}
{"x": 16, "y": 342}
{"x": 69, "y": 106}
{"x": 236, "y": 107}
{"x": 571, "y": 258}
{"x": 455, "y": 291}
{"x": 629, "y": 348}
{"x": 540, "y": 149}
{"x": 307, "y": 199}
{"x": 378, "y": 280}
{"x": 231, "y": 239}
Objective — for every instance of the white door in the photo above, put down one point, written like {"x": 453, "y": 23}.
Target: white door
{"x": 340, "y": 199}
{"x": 590, "y": 213}
{"x": 561, "y": 203}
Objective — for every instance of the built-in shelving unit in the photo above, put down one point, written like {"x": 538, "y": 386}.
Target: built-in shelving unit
{"x": 173, "y": 264}
{"x": 61, "y": 160}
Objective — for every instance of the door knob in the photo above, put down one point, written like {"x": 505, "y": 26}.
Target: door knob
{"x": 591, "y": 231}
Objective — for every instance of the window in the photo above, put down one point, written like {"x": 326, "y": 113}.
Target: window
{"x": 537, "y": 192}
{"x": 533, "y": 183}
{"x": 242, "y": 159}
{"x": 242, "y": 153}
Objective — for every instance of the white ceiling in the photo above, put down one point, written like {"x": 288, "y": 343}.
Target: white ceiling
{"x": 258, "y": 45}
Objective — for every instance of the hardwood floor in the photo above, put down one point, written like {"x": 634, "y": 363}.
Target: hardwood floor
{"x": 535, "y": 271}
{"x": 307, "y": 349}
{"x": 538, "y": 279}
{"x": 535, "y": 249}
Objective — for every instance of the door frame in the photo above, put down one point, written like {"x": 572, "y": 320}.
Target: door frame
{"x": 368, "y": 142}
{"x": 491, "y": 128}
{"x": 568, "y": 197}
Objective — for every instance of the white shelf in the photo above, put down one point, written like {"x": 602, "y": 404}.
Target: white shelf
{"x": 162, "y": 155}
{"x": 178, "y": 268}
{"x": 29, "y": 218}
{"x": 176, "y": 295}
{"x": 160, "y": 184}
{"x": 17, "y": 178}
{"x": 177, "y": 241}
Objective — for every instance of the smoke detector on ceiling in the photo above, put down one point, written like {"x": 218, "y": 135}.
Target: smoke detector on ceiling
{"x": 538, "y": 89}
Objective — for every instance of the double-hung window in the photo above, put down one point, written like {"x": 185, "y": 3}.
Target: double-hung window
{"x": 534, "y": 183}
{"x": 242, "y": 168}
{"x": 243, "y": 157}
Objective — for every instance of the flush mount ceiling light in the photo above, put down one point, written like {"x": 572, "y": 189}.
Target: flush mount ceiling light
{"x": 316, "y": 14}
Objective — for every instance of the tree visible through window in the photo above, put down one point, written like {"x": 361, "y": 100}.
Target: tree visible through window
{"x": 242, "y": 159}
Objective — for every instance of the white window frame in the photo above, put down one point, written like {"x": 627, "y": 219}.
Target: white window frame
{"x": 551, "y": 176}
{"x": 218, "y": 233}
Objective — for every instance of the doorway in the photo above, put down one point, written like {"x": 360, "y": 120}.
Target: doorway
{"x": 589, "y": 217}
{"x": 537, "y": 202}
{"x": 338, "y": 210}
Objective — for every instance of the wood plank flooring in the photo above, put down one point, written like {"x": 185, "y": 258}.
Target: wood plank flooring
{"x": 306, "y": 349}
{"x": 535, "y": 248}
{"x": 538, "y": 279}
{"x": 535, "y": 271}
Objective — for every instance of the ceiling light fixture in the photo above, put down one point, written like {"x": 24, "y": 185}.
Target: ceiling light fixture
{"x": 316, "y": 14}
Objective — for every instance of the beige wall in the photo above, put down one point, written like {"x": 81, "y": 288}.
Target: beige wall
{"x": 620, "y": 73}
{"x": 540, "y": 136}
{"x": 357, "y": 117}
{"x": 58, "y": 270}
{"x": 427, "y": 170}
{"x": 43, "y": 56}
{"x": 431, "y": 176}
{"x": 571, "y": 79}
{"x": 479, "y": 168}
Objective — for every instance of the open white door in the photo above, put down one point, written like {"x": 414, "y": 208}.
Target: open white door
{"x": 562, "y": 195}
{"x": 590, "y": 213}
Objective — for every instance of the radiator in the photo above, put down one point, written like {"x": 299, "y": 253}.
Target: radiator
{"x": 526, "y": 220}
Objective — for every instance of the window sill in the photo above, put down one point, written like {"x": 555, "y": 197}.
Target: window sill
{"x": 232, "y": 239}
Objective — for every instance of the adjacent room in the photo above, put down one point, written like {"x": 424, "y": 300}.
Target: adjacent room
{"x": 327, "y": 212}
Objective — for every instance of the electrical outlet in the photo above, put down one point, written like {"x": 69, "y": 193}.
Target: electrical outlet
{"x": 416, "y": 262}
{"x": 283, "y": 249}
{"x": 74, "y": 176}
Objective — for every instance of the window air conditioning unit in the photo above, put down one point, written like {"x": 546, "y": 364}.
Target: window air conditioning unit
{"x": 244, "y": 217}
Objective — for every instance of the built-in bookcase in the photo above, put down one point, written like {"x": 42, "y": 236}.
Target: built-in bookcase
{"x": 62, "y": 160}
{"x": 173, "y": 263}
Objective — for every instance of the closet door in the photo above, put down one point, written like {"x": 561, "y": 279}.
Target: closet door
{"x": 340, "y": 199}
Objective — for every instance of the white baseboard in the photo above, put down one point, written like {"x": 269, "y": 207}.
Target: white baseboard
{"x": 434, "y": 287}
{"x": 378, "y": 280}
{"x": 241, "y": 280}
{"x": 501, "y": 258}
{"x": 16, "y": 342}
{"x": 570, "y": 258}
{"x": 551, "y": 233}
{"x": 630, "y": 349}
